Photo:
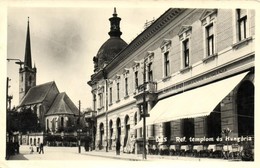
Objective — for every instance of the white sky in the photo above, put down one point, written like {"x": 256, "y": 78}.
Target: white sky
{"x": 64, "y": 41}
{"x": 65, "y": 37}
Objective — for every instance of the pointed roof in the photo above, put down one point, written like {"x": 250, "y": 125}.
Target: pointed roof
{"x": 28, "y": 57}
{"x": 37, "y": 94}
{"x": 63, "y": 105}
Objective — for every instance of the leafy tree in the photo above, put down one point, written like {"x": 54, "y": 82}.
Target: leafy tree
{"x": 28, "y": 121}
{"x": 12, "y": 121}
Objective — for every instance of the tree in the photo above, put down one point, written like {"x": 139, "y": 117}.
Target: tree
{"x": 12, "y": 121}
{"x": 28, "y": 121}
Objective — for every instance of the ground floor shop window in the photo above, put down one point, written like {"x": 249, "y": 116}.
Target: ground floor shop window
{"x": 188, "y": 127}
{"x": 214, "y": 123}
{"x": 167, "y": 131}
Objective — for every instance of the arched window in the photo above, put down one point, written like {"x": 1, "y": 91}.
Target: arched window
{"x": 101, "y": 132}
{"x": 30, "y": 80}
{"x": 62, "y": 122}
{"x": 47, "y": 123}
{"x": 111, "y": 133}
{"x": 127, "y": 130}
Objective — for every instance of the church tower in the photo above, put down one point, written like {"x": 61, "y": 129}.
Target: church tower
{"x": 27, "y": 73}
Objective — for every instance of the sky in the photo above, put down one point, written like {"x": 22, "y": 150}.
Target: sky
{"x": 64, "y": 41}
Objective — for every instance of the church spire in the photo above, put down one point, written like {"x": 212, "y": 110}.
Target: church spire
{"x": 28, "y": 57}
{"x": 27, "y": 74}
{"x": 115, "y": 25}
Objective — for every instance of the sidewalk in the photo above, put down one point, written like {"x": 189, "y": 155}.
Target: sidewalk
{"x": 63, "y": 153}
{"x": 139, "y": 157}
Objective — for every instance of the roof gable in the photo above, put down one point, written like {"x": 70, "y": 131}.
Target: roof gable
{"x": 38, "y": 94}
{"x": 62, "y": 105}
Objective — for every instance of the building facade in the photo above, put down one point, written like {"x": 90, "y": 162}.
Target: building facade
{"x": 193, "y": 68}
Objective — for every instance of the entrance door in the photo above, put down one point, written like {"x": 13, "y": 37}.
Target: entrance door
{"x": 118, "y": 125}
{"x": 245, "y": 109}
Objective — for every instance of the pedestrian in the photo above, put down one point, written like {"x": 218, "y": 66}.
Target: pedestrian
{"x": 17, "y": 146}
{"x": 41, "y": 149}
{"x": 38, "y": 147}
{"x": 118, "y": 147}
{"x": 31, "y": 149}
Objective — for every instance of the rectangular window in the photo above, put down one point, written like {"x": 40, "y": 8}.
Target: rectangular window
{"x": 210, "y": 40}
{"x": 186, "y": 54}
{"x": 241, "y": 21}
{"x": 166, "y": 64}
{"x": 150, "y": 73}
{"x": 136, "y": 79}
{"x": 110, "y": 95}
{"x": 126, "y": 86}
{"x": 118, "y": 91}
{"x": 94, "y": 102}
{"x": 100, "y": 100}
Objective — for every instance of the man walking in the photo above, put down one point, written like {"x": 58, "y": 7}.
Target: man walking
{"x": 41, "y": 149}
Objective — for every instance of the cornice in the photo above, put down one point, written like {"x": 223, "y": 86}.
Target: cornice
{"x": 146, "y": 35}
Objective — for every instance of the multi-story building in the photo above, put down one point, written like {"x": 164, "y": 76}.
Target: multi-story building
{"x": 193, "y": 68}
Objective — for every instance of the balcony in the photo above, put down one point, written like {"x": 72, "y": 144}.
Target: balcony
{"x": 150, "y": 87}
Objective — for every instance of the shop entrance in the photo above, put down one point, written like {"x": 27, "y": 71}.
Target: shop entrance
{"x": 118, "y": 125}
{"x": 188, "y": 127}
{"x": 127, "y": 128}
{"x": 245, "y": 109}
{"x": 101, "y": 128}
{"x": 214, "y": 123}
{"x": 111, "y": 134}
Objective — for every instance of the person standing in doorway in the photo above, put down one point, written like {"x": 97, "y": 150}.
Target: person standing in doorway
{"x": 118, "y": 147}
{"x": 31, "y": 149}
{"x": 41, "y": 149}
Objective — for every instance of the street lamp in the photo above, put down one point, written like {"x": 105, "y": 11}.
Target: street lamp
{"x": 18, "y": 61}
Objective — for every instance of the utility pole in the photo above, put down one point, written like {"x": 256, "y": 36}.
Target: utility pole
{"x": 106, "y": 117}
{"x": 7, "y": 88}
{"x": 144, "y": 114}
{"x": 106, "y": 90}
{"x": 79, "y": 129}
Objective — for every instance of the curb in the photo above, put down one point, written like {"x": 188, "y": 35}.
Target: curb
{"x": 115, "y": 157}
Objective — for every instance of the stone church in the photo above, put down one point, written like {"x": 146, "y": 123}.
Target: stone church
{"x": 55, "y": 111}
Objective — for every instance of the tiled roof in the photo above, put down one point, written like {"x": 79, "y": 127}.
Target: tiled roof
{"x": 62, "y": 105}
{"x": 37, "y": 94}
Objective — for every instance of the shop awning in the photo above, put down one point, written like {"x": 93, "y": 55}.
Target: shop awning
{"x": 194, "y": 103}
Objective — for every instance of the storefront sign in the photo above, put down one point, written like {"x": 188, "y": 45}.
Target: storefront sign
{"x": 161, "y": 139}
{"x": 211, "y": 139}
